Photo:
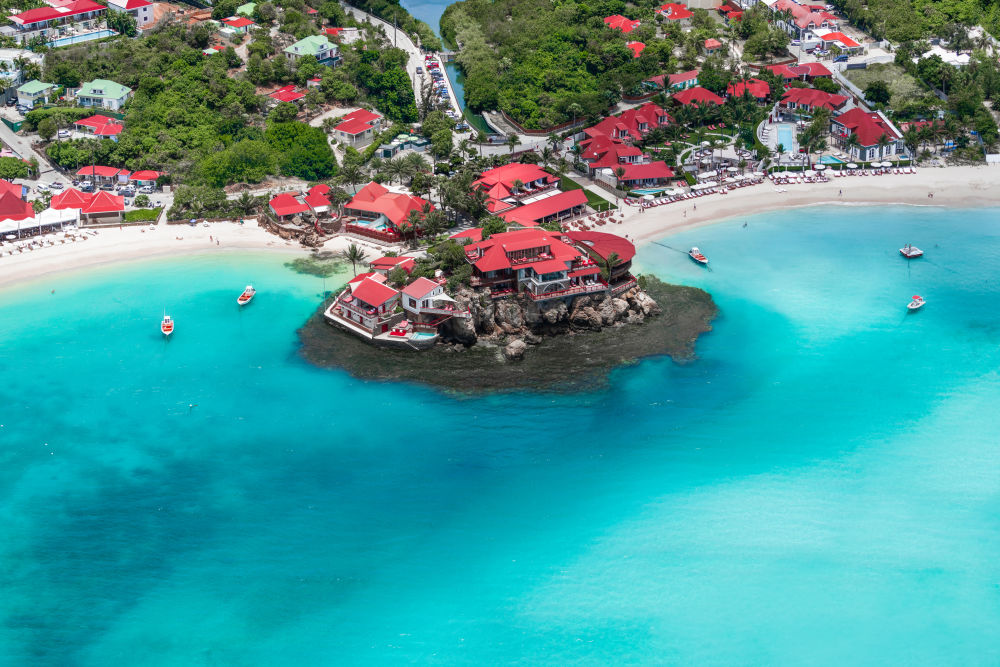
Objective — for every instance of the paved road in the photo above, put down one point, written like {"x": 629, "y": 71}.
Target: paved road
{"x": 401, "y": 40}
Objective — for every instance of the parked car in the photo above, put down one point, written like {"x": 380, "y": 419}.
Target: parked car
{"x": 57, "y": 186}
{"x": 420, "y": 70}
{"x": 146, "y": 189}
{"x": 127, "y": 192}
{"x": 63, "y": 134}
{"x": 86, "y": 186}
{"x": 12, "y": 101}
{"x": 796, "y": 42}
{"x": 42, "y": 188}
{"x": 21, "y": 109}
{"x": 840, "y": 59}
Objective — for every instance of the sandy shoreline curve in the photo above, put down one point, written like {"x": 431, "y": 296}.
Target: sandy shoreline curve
{"x": 952, "y": 187}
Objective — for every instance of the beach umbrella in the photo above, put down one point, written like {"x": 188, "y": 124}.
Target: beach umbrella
{"x": 820, "y": 167}
{"x": 732, "y": 169}
{"x": 706, "y": 143}
{"x": 809, "y": 172}
{"x": 648, "y": 197}
{"x": 851, "y": 165}
{"x": 10, "y": 237}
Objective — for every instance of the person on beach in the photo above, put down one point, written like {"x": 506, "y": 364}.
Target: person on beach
{"x": 840, "y": 194}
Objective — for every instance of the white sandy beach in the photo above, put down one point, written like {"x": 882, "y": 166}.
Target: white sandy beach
{"x": 952, "y": 187}
{"x": 112, "y": 244}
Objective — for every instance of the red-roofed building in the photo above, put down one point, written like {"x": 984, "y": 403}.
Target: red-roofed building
{"x": 644, "y": 174}
{"x": 697, "y": 96}
{"x": 674, "y": 11}
{"x": 803, "y": 72}
{"x": 632, "y": 124}
{"x": 838, "y": 39}
{"x": 712, "y": 45}
{"x": 502, "y": 189}
{"x": 239, "y": 24}
{"x": 619, "y": 22}
{"x": 382, "y": 211}
{"x": 803, "y": 18}
{"x": 100, "y": 126}
{"x": 36, "y": 22}
{"x": 546, "y": 265}
{"x": 550, "y": 209}
{"x": 287, "y": 94}
{"x": 70, "y": 198}
{"x": 286, "y": 205}
{"x": 425, "y": 303}
{"x": 602, "y": 246}
{"x": 367, "y": 305}
{"x": 103, "y": 175}
{"x": 754, "y": 87}
{"x": 103, "y": 208}
{"x": 730, "y": 12}
{"x": 473, "y": 235}
{"x": 636, "y": 48}
{"x": 804, "y": 101}
{"x": 316, "y": 199}
{"x": 673, "y": 82}
{"x": 141, "y": 10}
{"x": 358, "y": 128}
{"x": 12, "y": 207}
{"x": 144, "y": 177}
{"x": 384, "y": 265}
{"x": 870, "y": 128}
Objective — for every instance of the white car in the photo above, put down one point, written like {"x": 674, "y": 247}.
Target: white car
{"x": 63, "y": 134}
{"x": 146, "y": 189}
{"x": 42, "y": 188}
{"x": 57, "y": 186}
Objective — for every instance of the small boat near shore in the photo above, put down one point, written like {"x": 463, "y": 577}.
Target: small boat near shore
{"x": 696, "y": 255}
{"x": 247, "y": 296}
{"x": 166, "y": 325}
{"x": 910, "y": 251}
{"x": 916, "y": 304}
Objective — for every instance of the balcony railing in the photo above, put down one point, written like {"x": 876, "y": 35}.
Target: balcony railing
{"x": 579, "y": 289}
{"x": 446, "y": 311}
{"x": 623, "y": 287}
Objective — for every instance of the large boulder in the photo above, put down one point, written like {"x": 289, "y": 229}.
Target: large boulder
{"x": 607, "y": 311}
{"x": 514, "y": 350}
{"x": 645, "y": 303}
{"x": 555, "y": 313}
{"x": 460, "y": 329}
{"x": 620, "y": 306}
{"x": 508, "y": 315}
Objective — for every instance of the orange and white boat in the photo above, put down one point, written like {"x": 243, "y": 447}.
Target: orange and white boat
{"x": 917, "y": 303}
{"x": 247, "y": 295}
{"x": 696, "y": 255}
{"x": 166, "y": 325}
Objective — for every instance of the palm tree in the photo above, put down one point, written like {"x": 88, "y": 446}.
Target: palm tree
{"x": 555, "y": 140}
{"x": 518, "y": 184}
{"x": 355, "y": 255}
{"x": 352, "y": 174}
{"x": 883, "y": 142}
{"x": 574, "y": 110}
{"x": 512, "y": 142}
{"x": 329, "y": 124}
{"x": 245, "y": 204}
{"x": 547, "y": 156}
{"x": 481, "y": 139}
{"x": 416, "y": 164}
{"x": 619, "y": 172}
{"x": 852, "y": 142}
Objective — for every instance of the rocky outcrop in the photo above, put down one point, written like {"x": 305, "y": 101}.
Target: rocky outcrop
{"x": 516, "y": 321}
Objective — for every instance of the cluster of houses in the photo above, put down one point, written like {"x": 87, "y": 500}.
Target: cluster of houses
{"x": 611, "y": 156}
{"x": 74, "y": 20}
{"x": 542, "y": 266}
{"x": 96, "y": 94}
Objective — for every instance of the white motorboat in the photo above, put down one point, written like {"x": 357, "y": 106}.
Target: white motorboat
{"x": 247, "y": 296}
{"x": 696, "y": 255}
{"x": 917, "y": 303}
{"x": 166, "y": 325}
{"x": 910, "y": 251}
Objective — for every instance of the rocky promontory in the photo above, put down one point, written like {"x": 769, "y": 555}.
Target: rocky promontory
{"x": 514, "y": 343}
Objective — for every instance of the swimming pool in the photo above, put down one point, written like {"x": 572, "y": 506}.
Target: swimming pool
{"x": 786, "y": 137}
{"x": 76, "y": 39}
{"x": 648, "y": 191}
{"x": 829, "y": 159}
{"x": 421, "y": 335}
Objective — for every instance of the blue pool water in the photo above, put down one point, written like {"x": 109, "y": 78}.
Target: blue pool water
{"x": 786, "y": 137}
{"x": 76, "y": 39}
{"x": 818, "y": 487}
{"x": 830, "y": 159}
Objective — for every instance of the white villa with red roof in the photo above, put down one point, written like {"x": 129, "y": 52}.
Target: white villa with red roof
{"x": 608, "y": 148}
{"x": 384, "y": 265}
{"x": 619, "y": 22}
{"x": 801, "y": 72}
{"x": 673, "y": 82}
{"x": 100, "y": 126}
{"x": 358, "y": 128}
{"x": 870, "y": 127}
{"x": 42, "y": 21}
{"x": 381, "y": 213}
{"x": 140, "y": 10}
{"x": 804, "y": 101}
{"x": 527, "y": 195}
{"x": 804, "y": 18}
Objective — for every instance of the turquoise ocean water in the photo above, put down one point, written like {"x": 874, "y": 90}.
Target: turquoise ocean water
{"x": 821, "y": 486}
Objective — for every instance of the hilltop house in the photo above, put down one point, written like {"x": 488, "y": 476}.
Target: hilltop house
{"x": 619, "y": 22}
{"x": 712, "y": 45}
{"x": 140, "y": 10}
{"x": 100, "y": 126}
{"x": 237, "y": 25}
{"x": 358, "y": 128}
{"x": 325, "y": 52}
{"x": 870, "y": 128}
{"x": 34, "y": 92}
{"x": 44, "y": 21}
{"x": 674, "y": 11}
{"x": 103, "y": 94}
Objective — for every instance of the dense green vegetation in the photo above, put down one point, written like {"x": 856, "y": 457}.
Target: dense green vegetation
{"x": 143, "y": 215}
{"x": 904, "y": 20}
{"x": 391, "y": 11}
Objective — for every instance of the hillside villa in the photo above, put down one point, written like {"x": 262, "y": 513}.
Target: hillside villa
{"x": 877, "y": 137}
{"x": 318, "y": 46}
{"x": 358, "y": 128}
{"x": 46, "y": 21}
{"x": 527, "y": 195}
{"x": 103, "y": 94}
{"x": 100, "y": 126}
{"x": 140, "y": 10}
{"x": 382, "y": 214}
{"x": 34, "y": 92}
{"x": 804, "y": 101}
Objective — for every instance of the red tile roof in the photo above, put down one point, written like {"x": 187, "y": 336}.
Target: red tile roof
{"x": 712, "y": 43}
{"x": 538, "y": 210}
{"x": 868, "y": 126}
{"x": 755, "y": 87}
{"x": 103, "y": 126}
{"x": 13, "y": 207}
{"x": 636, "y": 48}
{"x": 475, "y": 235}
{"x": 840, "y": 37}
{"x": 49, "y": 13}
{"x": 803, "y": 16}
{"x": 681, "y": 77}
{"x": 316, "y": 197}
{"x": 136, "y": 4}
{"x": 603, "y": 244}
{"x": 406, "y": 263}
{"x": 619, "y": 22}
{"x": 357, "y": 122}
{"x": 237, "y": 21}
{"x": 658, "y": 169}
{"x": 373, "y": 292}
{"x": 491, "y": 254}
{"x": 373, "y": 198}
{"x": 144, "y": 175}
{"x": 633, "y": 123}
{"x": 285, "y": 204}
{"x": 286, "y": 94}
{"x": 697, "y": 96}
{"x": 6, "y": 186}
{"x": 675, "y": 12}
{"x": 70, "y": 198}
{"x": 104, "y": 202}
{"x": 498, "y": 183}
{"x": 102, "y": 171}
{"x": 812, "y": 98}
{"x": 420, "y": 288}
{"x": 802, "y": 71}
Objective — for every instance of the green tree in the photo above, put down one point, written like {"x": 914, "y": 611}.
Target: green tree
{"x": 283, "y": 112}
{"x": 142, "y": 201}
{"x": 122, "y": 22}
{"x": 47, "y": 129}
{"x": 355, "y": 255}
{"x": 493, "y": 225}
{"x": 11, "y": 168}
{"x": 877, "y": 92}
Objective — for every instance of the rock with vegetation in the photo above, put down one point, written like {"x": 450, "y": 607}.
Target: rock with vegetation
{"x": 513, "y": 346}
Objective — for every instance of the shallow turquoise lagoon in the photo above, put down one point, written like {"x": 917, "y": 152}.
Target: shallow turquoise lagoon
{"x": 821, "y": 486}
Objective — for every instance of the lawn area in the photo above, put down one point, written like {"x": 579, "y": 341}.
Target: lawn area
{"x": 596, "y": 202}
{"x": 902, "y": 86}
{"x": 143, "y": 214}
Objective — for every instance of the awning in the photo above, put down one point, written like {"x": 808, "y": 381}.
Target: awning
{"x": 593, "y": 270}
